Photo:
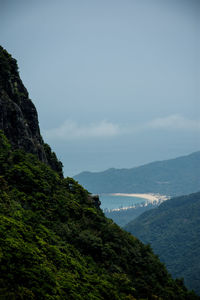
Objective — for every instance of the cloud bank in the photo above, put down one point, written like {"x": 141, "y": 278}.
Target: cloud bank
{"x": 174, "y": 122}
{"x": 71, "y": 130}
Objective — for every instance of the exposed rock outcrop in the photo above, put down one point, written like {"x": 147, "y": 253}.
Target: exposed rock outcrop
{"x": 95, "y": 200}
{"x": 18, "y": 115}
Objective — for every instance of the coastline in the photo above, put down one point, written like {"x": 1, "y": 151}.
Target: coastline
{"x": 152, "y": 198}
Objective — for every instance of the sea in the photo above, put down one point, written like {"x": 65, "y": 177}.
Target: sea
{"x": 110, "y": 202}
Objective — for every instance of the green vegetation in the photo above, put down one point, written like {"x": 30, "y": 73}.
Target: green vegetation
{"x": 172, "y": 177}
{"x": 54, "y": 244}
{"x": 53, "y": 160}
{"x": 173, "y": 230}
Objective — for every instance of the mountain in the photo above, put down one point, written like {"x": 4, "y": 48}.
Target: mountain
{"x": 55, "y": 242}
{"x": 174, "y": 177}
{"x": 173, "y": 231}
{"x": 18, "y": 115}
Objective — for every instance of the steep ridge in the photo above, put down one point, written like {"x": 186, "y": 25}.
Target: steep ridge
{"x": 174, "y": 177}
{"x": 173, "y": 231}
{"x": 55, "y": 242}
{"x": 18, "y": 115}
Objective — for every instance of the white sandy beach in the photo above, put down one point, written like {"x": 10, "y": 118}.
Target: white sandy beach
{"x": 149, "y": 197}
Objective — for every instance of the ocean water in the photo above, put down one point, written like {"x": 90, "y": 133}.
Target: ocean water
{"x": 109, "y": 202}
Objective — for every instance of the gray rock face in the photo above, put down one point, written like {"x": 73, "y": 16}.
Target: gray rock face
{"x": 95, "y": 200}
{"x": 20, "y": 125}
{"x": 18, "y": 115}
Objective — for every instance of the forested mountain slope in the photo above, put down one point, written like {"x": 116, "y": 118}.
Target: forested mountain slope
{"x": 172, "y": 177}
{"x": 55, "y": 242}
{"x": 173, "y": 231}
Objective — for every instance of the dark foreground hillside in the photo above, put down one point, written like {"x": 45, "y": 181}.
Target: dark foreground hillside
{"x": 55, "y": 243}
{"x": 173, "y": 230}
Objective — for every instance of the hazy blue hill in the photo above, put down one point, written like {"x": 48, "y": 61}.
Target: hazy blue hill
{"x": 172, "y": 177}
{"x": 173, "y": 231}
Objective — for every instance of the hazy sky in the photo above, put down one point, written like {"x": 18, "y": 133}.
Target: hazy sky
{"x": 116, "y": 83}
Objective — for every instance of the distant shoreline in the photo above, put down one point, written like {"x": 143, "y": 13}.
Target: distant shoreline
{"x": 149, "y": 197}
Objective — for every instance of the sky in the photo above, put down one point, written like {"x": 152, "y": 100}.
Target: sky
{"x": 115, "y": 83}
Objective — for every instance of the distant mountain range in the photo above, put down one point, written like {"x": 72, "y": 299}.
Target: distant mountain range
{"x": 172, "y": 177}
{"x": 173, "y": 231}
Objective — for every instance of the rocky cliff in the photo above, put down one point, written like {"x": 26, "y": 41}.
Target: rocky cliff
{"x": 18, "y": 115}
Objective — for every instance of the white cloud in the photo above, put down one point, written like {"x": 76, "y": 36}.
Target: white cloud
{"x": 72, "y": 130}
{"x": 174, "y": 122}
